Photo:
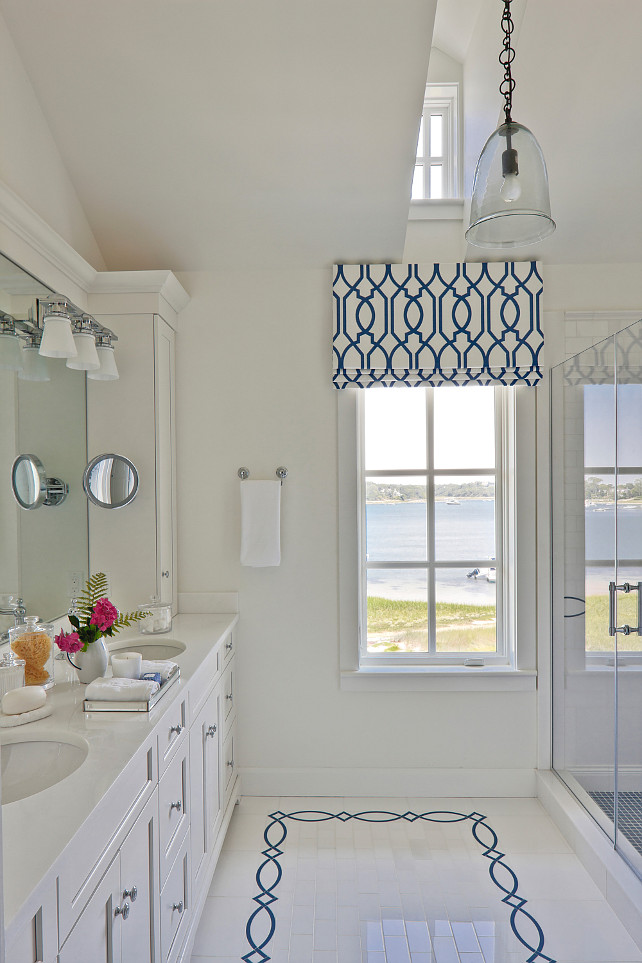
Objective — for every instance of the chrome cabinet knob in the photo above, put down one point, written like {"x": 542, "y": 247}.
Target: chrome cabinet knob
{"x": 122, "y": 911}
{"x": 132, "y": 893}
{"x": 178, "y": 906}
{"x": 210, "y": 731}
{"x": 229, "y": 696}
{"x": 231, "y": 764}
{"x": 228, "y": 645}
{"x": 177, "y": 729}
{"x": 165, "y": 574}
{"x": 175, "y": 805}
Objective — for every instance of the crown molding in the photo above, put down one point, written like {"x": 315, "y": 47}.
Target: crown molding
{"x": 624, "y": 317}
{"x": 163, "y": 283}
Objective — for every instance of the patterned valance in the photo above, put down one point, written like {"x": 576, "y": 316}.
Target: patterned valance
{"x": 434, "y": 324}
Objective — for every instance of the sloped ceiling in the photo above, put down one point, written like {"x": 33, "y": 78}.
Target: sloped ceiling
{"x": 205, "y": 133}
{"x": 214, "y": 132}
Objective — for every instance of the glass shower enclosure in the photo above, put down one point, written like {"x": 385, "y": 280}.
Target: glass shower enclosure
{"x": 596, "y": 438}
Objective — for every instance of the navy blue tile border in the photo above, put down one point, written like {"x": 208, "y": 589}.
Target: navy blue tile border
{"x": 269, "y": 874}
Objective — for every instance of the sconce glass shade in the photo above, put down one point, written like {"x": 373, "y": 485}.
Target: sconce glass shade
{"x": 10, "y": 353}
{"x": 86, "y": 358}
{"x": 57, "y": 339}
{"x": 108, "y": 370}
{"x": 34, "y": 366}
{"x": 510, "y": 209}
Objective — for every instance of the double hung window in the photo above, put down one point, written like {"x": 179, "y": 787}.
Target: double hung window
{"x": 435, "y": 175}
{"x": 432, "y": 525}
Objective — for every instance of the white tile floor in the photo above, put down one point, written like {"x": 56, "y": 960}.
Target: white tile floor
{"x": 404, "y": 892}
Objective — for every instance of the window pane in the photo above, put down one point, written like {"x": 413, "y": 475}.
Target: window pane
{"x": 436, "y": 135}
{"x": 396, "y": 519}
{"x": 395, "y": 428}
{"x": 397, "y": 610}
{"x": 420, "y": 139}
{"x": 465, "y": 610}
{"x": 436, "y": 181}
{"x": 464, "y": 427}
{"x": 418, "y": 182}
{"x": 465, "y": 518}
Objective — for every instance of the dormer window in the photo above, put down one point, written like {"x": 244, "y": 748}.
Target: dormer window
{"x": 436, "y": 170}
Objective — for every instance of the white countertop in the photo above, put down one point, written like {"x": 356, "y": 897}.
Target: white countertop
{"x": 37, "y": 829}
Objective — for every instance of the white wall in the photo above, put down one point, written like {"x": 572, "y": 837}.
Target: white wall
{"x": 30, "y": 163}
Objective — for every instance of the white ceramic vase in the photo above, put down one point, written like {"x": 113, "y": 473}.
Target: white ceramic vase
{"x": 91, "y": 664}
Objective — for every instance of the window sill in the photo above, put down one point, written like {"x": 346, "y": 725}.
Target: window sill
{"x": 438, "y": 678}
{"x": 448, "y": 209}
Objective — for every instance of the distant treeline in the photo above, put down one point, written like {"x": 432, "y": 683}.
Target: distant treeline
{"x": 596, "y": 488}
{"x": 378, "y": 492}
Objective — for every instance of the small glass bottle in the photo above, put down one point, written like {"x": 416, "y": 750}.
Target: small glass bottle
{"x": 32, "y": 641}
{"x": 160, "y": 616}
{"x": 12, "y": 673}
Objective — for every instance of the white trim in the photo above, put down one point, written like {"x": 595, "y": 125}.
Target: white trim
{"x": 439, "y": 678}
{"x": 163, "y": 283}
{"x": 438, "y": 209}
{"x": 388, "y": 782}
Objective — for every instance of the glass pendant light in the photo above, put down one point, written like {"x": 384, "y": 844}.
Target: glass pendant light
{"x": 510, "y": 204}
{"x": 108, "y": 370}
{"x": 34, "y": 364}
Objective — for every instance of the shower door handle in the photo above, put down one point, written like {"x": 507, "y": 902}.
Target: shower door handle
{"x": 626, "y": 587}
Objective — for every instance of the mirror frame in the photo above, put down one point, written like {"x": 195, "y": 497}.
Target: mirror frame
{"x": 52, "y": 491}
{"x": 87, "y": 474}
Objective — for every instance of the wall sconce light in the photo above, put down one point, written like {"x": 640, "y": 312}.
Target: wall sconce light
{"x": 57, "y": 338}
{"x": 108, "y": 370}
{"x": 34, "y": 365}
{"x": 510, "y": 205}
{"x": 10, "y": 353}
{"x": 85, "y": 342}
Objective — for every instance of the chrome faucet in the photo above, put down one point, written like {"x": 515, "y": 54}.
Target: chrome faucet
{"x": 19, "y": 612}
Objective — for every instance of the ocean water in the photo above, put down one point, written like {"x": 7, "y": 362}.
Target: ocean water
{"x": 397, "y": 532}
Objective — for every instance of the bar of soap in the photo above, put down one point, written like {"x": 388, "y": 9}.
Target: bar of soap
{"x": 23, "y": 700}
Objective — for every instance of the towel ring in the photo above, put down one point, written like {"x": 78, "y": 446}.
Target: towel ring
{"x": 281, "y": 473}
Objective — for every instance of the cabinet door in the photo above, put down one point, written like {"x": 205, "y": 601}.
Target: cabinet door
{"x": 204, "y": 761}
{"x": 165, "y": 466}
{"x": 96, "y": 934}
{"x": 137, "y": 865}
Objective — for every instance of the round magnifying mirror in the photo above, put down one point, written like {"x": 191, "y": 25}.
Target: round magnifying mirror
{"x": 110, "y": 481}
{"x": 29, "y": 481}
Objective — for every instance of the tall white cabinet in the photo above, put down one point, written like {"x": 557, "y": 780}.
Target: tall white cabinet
{"x": 134, "y": 416}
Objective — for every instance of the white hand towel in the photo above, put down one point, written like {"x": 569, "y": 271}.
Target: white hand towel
{"x": 120, "y": 690}
{"x": 260, "y": 523}
{"x": 163, "y": 666}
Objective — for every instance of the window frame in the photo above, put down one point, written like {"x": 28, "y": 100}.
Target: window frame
{"x": 503, "y": 525}
{"x": 440, "y": 99}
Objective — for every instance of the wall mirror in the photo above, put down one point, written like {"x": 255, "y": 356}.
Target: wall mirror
{"x": 110, "y": 481}
{"x": 42, "y": 551}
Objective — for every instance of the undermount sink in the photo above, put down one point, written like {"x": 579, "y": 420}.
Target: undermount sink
{"x": 152, "y": 649}
{"x": 33, "y": 763}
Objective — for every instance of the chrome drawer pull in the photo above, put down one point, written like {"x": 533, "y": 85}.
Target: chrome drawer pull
{"x": 228, "y": 645}
{"x": 178, "y": 906}
{"x": 231, "y": 764}
{"x": 229, "y": 696}
{"x": 210, "y": 731}
{"x": 132, "y": 893}
{"x": 122, "y": 911}
{"x": 177, "y": 729}
{"x": 175, "y": 805}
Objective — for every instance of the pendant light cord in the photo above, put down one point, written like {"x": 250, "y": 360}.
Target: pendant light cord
{"x": 506, "y": 58}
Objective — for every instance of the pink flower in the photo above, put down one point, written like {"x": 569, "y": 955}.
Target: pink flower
{"x": 68, "y": 642}
{"x": 104, "y": 614}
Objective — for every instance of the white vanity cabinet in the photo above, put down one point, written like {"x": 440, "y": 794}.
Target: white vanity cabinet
{"x": 205, "y": 753}
{"x": 119, "y": 924}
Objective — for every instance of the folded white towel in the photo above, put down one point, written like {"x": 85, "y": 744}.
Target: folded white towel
{"x": 260, "y": 523}
{"x": 120, "y": 690}
{"x": 163, "y": 666}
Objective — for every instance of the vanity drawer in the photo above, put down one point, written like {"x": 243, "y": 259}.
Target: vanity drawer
{"x": 229, "y": 648}
{"x": 173, "y": 809}
{"x": 175, "y": 905}
{"x": 228, "y": 693}
{"x": 172, "y": 732}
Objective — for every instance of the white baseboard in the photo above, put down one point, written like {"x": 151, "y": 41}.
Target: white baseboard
{"x": 208, "y": 603}
{"x": 621, "y": 887}
{"x": 389, "y": 782}
{"x": 600, "y": 778}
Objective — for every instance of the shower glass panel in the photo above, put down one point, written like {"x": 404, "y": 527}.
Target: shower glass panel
{"x": 596, "y": 400}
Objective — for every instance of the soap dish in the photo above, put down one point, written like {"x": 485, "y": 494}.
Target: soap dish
{"x": 21, "y": 718}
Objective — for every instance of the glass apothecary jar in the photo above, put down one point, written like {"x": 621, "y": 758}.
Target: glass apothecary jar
{"x": 12, "y": 673}
{"x": 32, "y": 641}
{"x": 159, "y": 619}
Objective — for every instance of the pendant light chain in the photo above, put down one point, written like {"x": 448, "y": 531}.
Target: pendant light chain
{"x": 506, "y": 58}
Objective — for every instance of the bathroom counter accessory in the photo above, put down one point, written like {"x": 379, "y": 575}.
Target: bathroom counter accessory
{"x": 94, "y": 705}
{"x": 21, "y": 718}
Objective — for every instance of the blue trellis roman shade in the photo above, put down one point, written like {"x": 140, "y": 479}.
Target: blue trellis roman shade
{"x": 435, "y": 324}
